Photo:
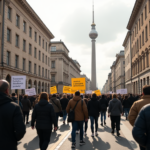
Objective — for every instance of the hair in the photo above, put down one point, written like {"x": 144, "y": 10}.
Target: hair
{"x": 54, "y": 95}
{"x": 77, "y": 93}
{"x": 114, "y": 96}
{"x": 4, "y": 85}
{"x": 25, "y": 96}
{"x": 13, "y": 94}
{"x": 103, "y": 96}
{"x": 64, "y": 96}
{"x": 44, "y": 96}
{"x": 146, "y": 90}
{"x": 126, "y": 97}
{"x": 94, "y": 95}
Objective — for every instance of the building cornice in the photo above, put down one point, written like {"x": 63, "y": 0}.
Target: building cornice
{"x": 34, "y": 16}
{"x": 126, "y": 38}
{"x": 137, "y": 6}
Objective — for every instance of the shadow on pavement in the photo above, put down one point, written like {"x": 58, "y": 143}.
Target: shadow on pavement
{"x": 64, "y": 127}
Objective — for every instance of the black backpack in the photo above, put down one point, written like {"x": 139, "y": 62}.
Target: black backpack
{"x": 71, "y": 115}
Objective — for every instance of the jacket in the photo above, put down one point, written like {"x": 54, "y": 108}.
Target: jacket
{"x": 12, "y": 127}
{"x": 126, "y": 103}
{"x": 93, "y": 107}
{"x": 115, "y": 107}
{"x": 44, "y": 115}
{"x": 141, "y": 129}
{"x": 57, "y": 105}
{"x": 64, "y": 103}
{"x": 16, "y": 101}
{"x": 131, "y": 100}
{"x": 136, "y": 107}
{"x": 26, "y": 105}
{"x": 103, "y": 104}
{"x": 81, "y": 111}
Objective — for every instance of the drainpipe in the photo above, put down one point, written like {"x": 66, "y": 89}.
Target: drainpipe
{"x": 2, "y": 47}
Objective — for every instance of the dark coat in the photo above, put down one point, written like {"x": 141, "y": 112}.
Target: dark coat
{"x": 131, "y": 100}
{"x": 12, "y": 127}
{"x": 26, "y": 104}
{"x": 93, "y": 107}
{"x": 64, "y": 103}
{"x": 103, "y": 104}
{"x": 44, "y": 115}
{"x": 14, "y": 99}
{"x": 126, "y": 103}
{"x": 141, "y": 129}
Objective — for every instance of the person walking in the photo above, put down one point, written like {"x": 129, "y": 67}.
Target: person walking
{"x": 115, "y": 111}
{"x": 26, "y": 108}
{"x": 44, "y": 116}
{"x": 126, "y": 106}
{"x": 64, "y": 102}
{"x": 93, "y": 111}
{"x": 137, "y": 106}
{"x": 141, "y": 130}
{"x": 12, "y": 127}
{"x": 131, "y": 100}
{"x": 56, "y": 105}
{"x": 81, "y": 114}
{"x": 103, "y": 108}
{"x": 14, "y": 98}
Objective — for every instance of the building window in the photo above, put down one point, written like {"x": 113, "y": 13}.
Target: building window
{"x": 24, "y": 45}
{"x": 140, "y": 42}
{"x": 39, "y": 70}
{"x": 34, "y": 68}
{"x": 139, "y": 24}
{"x": 0, "y": 6}
{"x": 34, "y": 52}
{"x": 17, "y": 40}
{"x": 146, "y": 34}
{"x": 48, "y": 74}
{"x": 8, "y": 58}
{"x": 8, "y": 35}
{"x": 53, "y": 64}
{"x": 42, "y": 72}
{"x": 147, "y": 58}
{"x": 23, "y": 64}
{"x": 147, "y": 80}
{"x": 43, "y": 58}
{"x": 143, "y": 38}
{"x": 39, "y": 40}
{"x": 53, "y": 78}
{"x": 53, "y": 48}
{"x": 46, "y": 46}
{"x": 30, "y": 32}
{"x": 46, "y": 60}
{"x": 142, "y": 18}
{"x": 30, "y": 49}
{"x": 39, "y": 55}
{"x": 17, "y": 20}
{"x": 45, "y": 73}
{"x": 124, "y": 62}
{"x": 29, "y": 66}
{"x": 16, "y": 61}
{"x": 9, "y": 13}
{"x": 43, "y": 44}
{"x": 35, "y": 36}
{"x": 145, "y": 12}
{"x": 24, "y": 26}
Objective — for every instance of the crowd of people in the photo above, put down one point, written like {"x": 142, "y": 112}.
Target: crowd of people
{"x": 76, "y": 109}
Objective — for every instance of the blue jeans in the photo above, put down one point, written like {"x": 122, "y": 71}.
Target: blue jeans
{"x": 75, "y": 126}
{"x": 126, "y": 111}
{"x": 92, "y": 123}
{"x": 85, "y": 125}
{"x": 64, "y": 115}
{"x": 103, "y": 115}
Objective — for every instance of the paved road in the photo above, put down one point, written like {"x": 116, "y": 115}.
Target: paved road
{"x": 61, "y": 140}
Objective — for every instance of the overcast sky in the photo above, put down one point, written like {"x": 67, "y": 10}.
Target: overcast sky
{"x": 70, "y": 21}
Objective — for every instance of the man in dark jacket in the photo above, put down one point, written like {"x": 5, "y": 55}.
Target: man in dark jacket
{"x": 131, "y": 100}
{"x": 14, "y": 98}
{"x": 141, "y": 130}
{"x": 103, "y": 107}
{"x": 12, "y": 127}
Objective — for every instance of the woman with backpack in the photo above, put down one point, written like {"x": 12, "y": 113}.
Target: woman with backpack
{"x": 93, "y": 110}
{"x": 103, "y": 107}
{"x": 44, "y": 115}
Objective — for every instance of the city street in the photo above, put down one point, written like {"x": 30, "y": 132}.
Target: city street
{"x": 61, "y": 140}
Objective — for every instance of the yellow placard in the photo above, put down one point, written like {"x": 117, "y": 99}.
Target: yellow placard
{"x": 73, "y": 91}
{"x": 82, "y": 91}
{"x": 53, "y": 90}
{"x": 78, "y": 84}
{"x": 66, "y": 89}
{"x": 98, "y": 92}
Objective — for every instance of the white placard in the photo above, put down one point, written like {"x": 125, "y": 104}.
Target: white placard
{"x": 122, "y": 91}
{"x": 18, "y": 82}
{"x": 89, "y": 92}
{"x": 30, "y": 92}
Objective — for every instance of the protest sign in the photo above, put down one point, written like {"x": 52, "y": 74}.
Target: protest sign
{"x": 89, "y": 92}
{"x": 53, "y": 90}
{"x": 97, "y": 92}
{"x": 18, "y": 82}
{"x": 78, "y": 84}
{"x": 122, "y": 91}
{"x": 66, "y": 89}
{"x": 82, "y": 91}
{"x": 30, "y": 92}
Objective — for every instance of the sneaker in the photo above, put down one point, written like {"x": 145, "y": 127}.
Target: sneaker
{"x": 112, "y": 131}
{"x": 77, "y": 132}
{"x": 73, "y": 145}
{"x": 118, "y": 134}
{"x": 96, "y": 134}
{"x": 105, "y": 122}
{"x": 92, "y": 135}
{"x": 82, "y": 142}
{"x": 101, "y": 124}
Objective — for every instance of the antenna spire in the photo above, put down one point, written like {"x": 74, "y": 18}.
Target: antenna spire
{"x": 93, "y": 11}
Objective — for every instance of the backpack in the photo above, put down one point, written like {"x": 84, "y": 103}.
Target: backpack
{"x": 71, "y": 115}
